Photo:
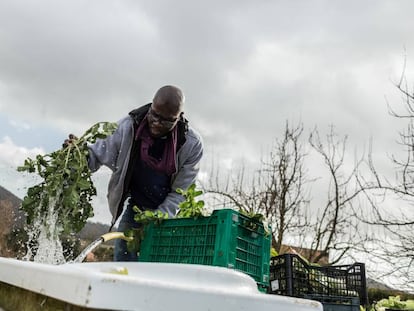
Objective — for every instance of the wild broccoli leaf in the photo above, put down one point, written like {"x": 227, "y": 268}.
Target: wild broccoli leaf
{"x": 66, "y": 188}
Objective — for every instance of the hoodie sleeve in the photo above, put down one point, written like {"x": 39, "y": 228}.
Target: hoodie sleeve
{"x": 105, "y": 151}
{"x": 189, "y": 166}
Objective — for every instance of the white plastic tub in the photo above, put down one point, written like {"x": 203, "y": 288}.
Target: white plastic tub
{"x": 146, "y": 286}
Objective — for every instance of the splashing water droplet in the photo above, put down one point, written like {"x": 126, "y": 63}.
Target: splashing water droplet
{"x": 44, "y": 245}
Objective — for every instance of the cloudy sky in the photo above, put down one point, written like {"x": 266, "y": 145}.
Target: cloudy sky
{"x": 245, "y": 66}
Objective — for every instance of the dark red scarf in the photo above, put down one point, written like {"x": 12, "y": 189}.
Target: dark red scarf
{"x": 168, "y": 160}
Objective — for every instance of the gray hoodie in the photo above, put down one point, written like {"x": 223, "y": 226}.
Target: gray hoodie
{"x": 115, "y": 153}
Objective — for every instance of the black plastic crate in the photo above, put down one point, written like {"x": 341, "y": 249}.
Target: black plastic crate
{"x": 290, "y": 275}
{"x": 336, "y": 303}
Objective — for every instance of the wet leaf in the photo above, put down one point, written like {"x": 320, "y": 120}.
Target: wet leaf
{"x": 67, "y": 187}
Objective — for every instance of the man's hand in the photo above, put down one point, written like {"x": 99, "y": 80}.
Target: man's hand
{"x": 72, "y": 138}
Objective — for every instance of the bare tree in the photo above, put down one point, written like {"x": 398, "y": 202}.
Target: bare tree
{"x": 335, "y": 227}
{"x": 277, "y": 190}
{"x": 285, "y": 198}
{"x": 392, "y": 200}
{"x": 280, "y": 190}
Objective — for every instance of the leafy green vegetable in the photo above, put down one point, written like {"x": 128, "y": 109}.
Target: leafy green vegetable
{"x": 393, "y": 302}
{"x": 255, "y": 220}
{"x": 143, "y": 218}
{"x": 67, "y": 188}
{"x": 273, "y": 252}
{"x": 190, "y": 208}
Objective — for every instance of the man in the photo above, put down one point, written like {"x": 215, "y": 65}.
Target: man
{"x": 153, "y": 152}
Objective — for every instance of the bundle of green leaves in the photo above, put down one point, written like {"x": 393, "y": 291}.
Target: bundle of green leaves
{"x": 66, "y": 188}
{"x": 143, "y": 218}
{"x": 189, "y": 208}
{"x": 393, "y": 303}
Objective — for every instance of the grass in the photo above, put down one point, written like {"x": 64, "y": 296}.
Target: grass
{"x": 13, "y": 298}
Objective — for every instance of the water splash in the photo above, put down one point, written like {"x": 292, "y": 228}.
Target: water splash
{"x": 50, "y": 248}
{"x": 44, "y": 244}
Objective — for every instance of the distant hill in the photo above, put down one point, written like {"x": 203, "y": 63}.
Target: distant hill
{"x": 378, "y": 285}
{"x": 11, "y": 217}
{"x": 93, "y": 230}
{"x": 6, "y": 195}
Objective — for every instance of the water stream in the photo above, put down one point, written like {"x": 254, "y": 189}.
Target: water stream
{"x": 88, "y": 249}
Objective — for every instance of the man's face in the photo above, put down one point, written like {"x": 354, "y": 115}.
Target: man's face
{"x": 161, "y": 119}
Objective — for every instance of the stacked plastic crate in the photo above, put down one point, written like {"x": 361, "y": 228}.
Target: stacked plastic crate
{"x": 338, "y": 288}
{"x": 227, "y": 238}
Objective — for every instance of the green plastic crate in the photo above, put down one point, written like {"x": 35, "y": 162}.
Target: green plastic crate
{"x": 225, "y": 239}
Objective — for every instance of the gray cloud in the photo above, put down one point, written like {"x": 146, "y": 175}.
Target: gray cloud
{"x": 246, "y": 67}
